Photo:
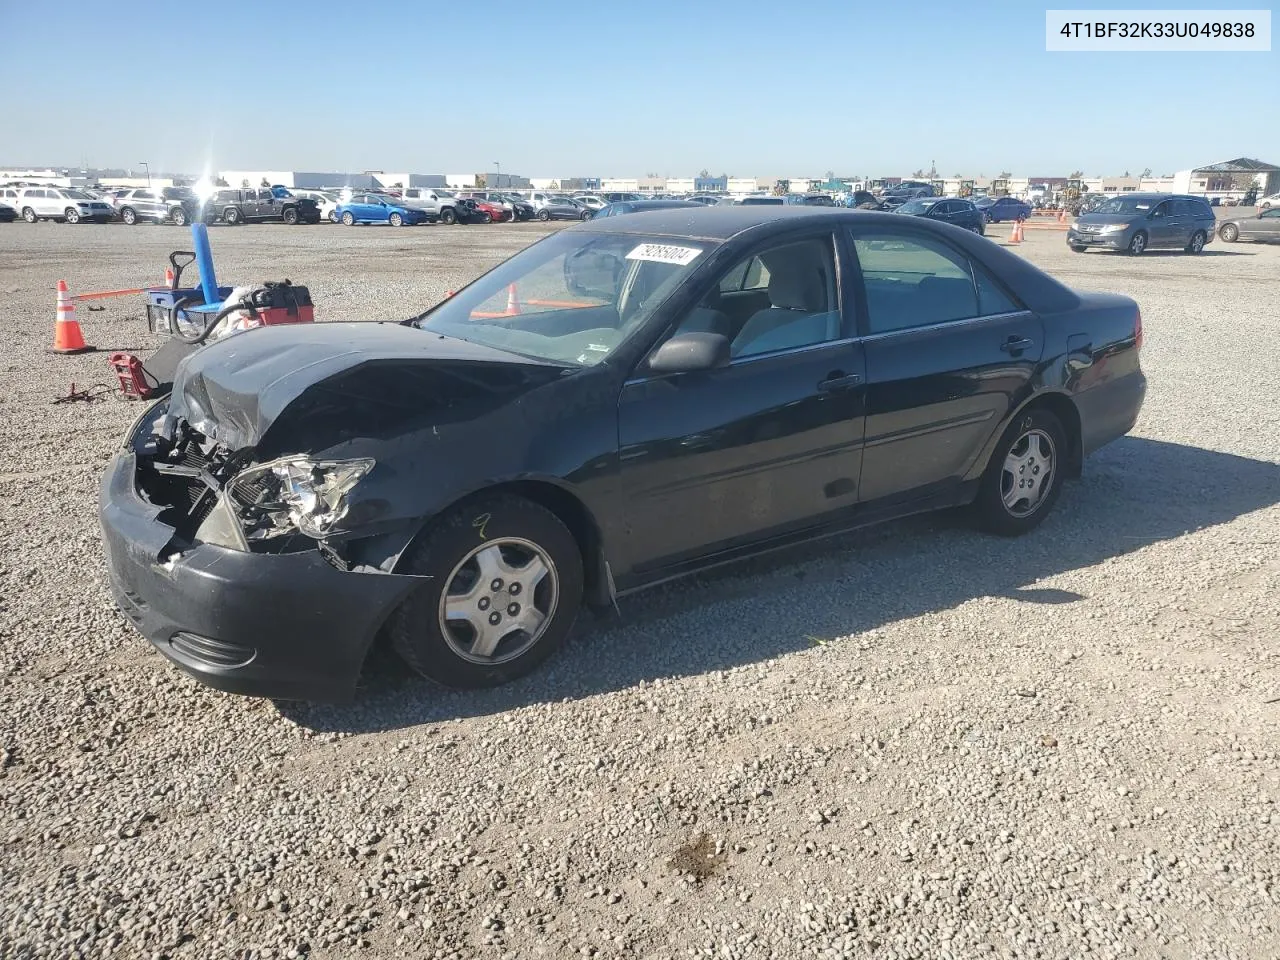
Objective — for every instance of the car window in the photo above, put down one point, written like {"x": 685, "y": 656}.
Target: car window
{"x": 1273, "y": 214}
{"x": 792, "y": 301}
{"x": 915, "y": 281}
{"x": 1161, "y": 210}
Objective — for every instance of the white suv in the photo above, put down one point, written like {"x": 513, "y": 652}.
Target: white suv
{"x": 326, "y": 200}
{"x": 65, "y": 204}
{"x": 1266, "y": 203}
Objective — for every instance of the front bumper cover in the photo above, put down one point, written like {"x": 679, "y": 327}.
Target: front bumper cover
{"x": 288, "y": 625}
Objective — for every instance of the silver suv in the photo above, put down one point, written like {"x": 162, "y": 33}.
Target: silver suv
{"x": 1135, "y": 222}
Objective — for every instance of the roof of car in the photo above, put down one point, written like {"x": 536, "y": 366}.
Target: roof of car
{"x": 701, "y": 222}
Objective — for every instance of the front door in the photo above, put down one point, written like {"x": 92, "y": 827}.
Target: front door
{"x": 1163, "y": 225}
{"x": 948, "y": 353}
{"x": 769, "y": 443}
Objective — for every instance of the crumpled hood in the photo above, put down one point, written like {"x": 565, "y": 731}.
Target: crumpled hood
{"x": 232, "y": 390}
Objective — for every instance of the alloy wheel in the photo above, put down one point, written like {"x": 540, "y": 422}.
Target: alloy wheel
{"x": 498, "y": 601}
{"x": 1027, "y": 474}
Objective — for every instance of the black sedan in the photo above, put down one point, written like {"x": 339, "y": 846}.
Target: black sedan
{"x": 620, "y": 403}
{"x": 960, "y": 213}
{"x": 641, "y": 206}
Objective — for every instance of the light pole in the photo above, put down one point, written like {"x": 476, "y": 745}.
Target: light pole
{"x": 147, "y": 167}
{"x": 498, "y": 169}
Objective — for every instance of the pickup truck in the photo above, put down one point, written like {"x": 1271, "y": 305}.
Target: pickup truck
{"x": 246, "y": 206}
{"x": 441, "y": 204}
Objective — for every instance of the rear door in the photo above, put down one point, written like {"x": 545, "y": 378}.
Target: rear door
{"x": 949, "y": 352}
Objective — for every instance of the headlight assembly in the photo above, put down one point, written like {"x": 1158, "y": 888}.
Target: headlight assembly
{"x": 294, "y": 495}
{"x": 1113, "y": 227}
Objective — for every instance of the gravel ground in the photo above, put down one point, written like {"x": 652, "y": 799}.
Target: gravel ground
{"x": 913, "y": 742}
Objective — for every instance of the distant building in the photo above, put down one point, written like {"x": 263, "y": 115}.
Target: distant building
{"x": 710, "y": 184}
{"x": 1230, "y": 178}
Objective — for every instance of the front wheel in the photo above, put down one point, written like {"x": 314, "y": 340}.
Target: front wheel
{"x": 71, "y": 215}
{"x": 486, "y": 218}
{"x": 179, "y": 217}
{"x": 129, "y": 216}
{"x": 1230, "y": 233}
{"x": 29, "y": 215}
{"x": 1024, "y": 476}
{"x": 1138, "y": 244}
{"x": 396, "y": 220}
{"x": 290, "y": 216}
{"x": 585, "y": 215}
{"x": 231, "y": 216}
{"x": 348, "y": 219}
{"x": 544, "y": 215}
{"x": 503, "y": 587}
{"x": 448, "y": 216}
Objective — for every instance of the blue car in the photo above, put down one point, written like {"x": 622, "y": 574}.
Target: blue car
{"x": 1007, "y": 208}
{"x": 376, "y": 208}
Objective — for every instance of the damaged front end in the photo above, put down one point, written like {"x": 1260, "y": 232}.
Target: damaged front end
{"x": 240, "y": 571}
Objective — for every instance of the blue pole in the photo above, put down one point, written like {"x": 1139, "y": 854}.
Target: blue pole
{"x": 204, "y": 261}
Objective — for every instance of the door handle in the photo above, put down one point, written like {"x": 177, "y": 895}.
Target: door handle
{"x": 1015, "y": 345}
{"x": 839, "y": 381}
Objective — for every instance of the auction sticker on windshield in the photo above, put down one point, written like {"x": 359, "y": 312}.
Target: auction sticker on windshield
{"x": 664, "y": 253}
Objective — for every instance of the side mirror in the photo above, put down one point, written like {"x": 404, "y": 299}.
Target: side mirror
{"x": 690, "y": 352}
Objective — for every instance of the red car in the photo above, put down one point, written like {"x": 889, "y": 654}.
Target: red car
{"x": 491, "y": 212}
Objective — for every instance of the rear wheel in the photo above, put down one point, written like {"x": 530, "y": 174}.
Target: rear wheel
{"x": 1138, "y": 244}
{"x": 396, "y": 220}
{"x": 503, "y": 589}
{"x": 333, "y": 216}
{"x": 231, "y": 216}
{"x": 71, "y": 215}
{"x": 290, "y": 215}
{"x": 129, "y": 216}
{"x": 448, "y": 216}
{"x": 348, "y": 219}
{"x": 1197, "y": 242}
{"x": 1229, "y": 232}
{"x": 1024, "y": 476}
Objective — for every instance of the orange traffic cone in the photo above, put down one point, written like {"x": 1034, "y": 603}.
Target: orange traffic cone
{"x": 513, "y": 303}
{"x": 1015, "y": 235}
{"x": 67, "y": 337}
{"x": 1062, "y": 215}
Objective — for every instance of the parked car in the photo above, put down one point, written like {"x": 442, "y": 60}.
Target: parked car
{"x": 591, "y": 202}
{"x": 619, "y": 197}
{"x": 707, "y": 199}
{"x": 809, "y": 200}
{"x": 892, "y": 201}
{"x": 562, "y": 208}
{"x": 1264, "y": 227}
{"x": 236, "y": 206}
{"x": 64, "y": 204}
{"x": 758, "y": 201}
{"x": 829, "y": 368}
{"x": 441, "y": 204}
{"x": 1006, "y": 208}
{"x": 521, "y": 207}
{"x": 177, "y": 205}
{"x": 1266, "y": 203}
{"x": 326, "y": 202}
{"x": 642, "y": 206}
{"x": 863, "y": 200}
{"x": 1135, "y": 222}
{"x": 377, "y": 208}
{"x": 911, "y": 190}
{"x": 491, "y": 210}
{"x": 7, "y": 213}
{"x": 952, "y": 210}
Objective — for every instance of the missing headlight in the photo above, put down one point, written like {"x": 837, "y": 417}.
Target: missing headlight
{"x": 294, "y": 495}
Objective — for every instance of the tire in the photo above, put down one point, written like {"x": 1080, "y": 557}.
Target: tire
{"x": 129, "y": 215}
{"x": 71, "y": 215}
{"x": 1005, "y": 506}
{"x": 231, "y": 216}
{"x": 396, "y": 220}
{"x": 179, "y": 217}
{"x": 1197, "y": 242}
{"x": 448, "y": 216}
{"x": 544, "y": 215}
{"x": 333, "y": 216}
{"x": 486, "y": 218}
{"x": 290, "y": 216}
{"x": 586, "y": 215}
{"x": 1138, "y": 244}
{"x": 29, "y": 215}
{"x": 500, "y": 528}
{"x": 1229, "y": 232}
{"x": 1076, "y": 248}
{"x": 348, "y": 219}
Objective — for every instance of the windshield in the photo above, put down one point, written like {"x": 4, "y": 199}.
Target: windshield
{"x": 571, "y": 298}
{"x": 916, "y": 206}
{"x": 1124, "y": 205}
{"x": 76, "y": 195}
